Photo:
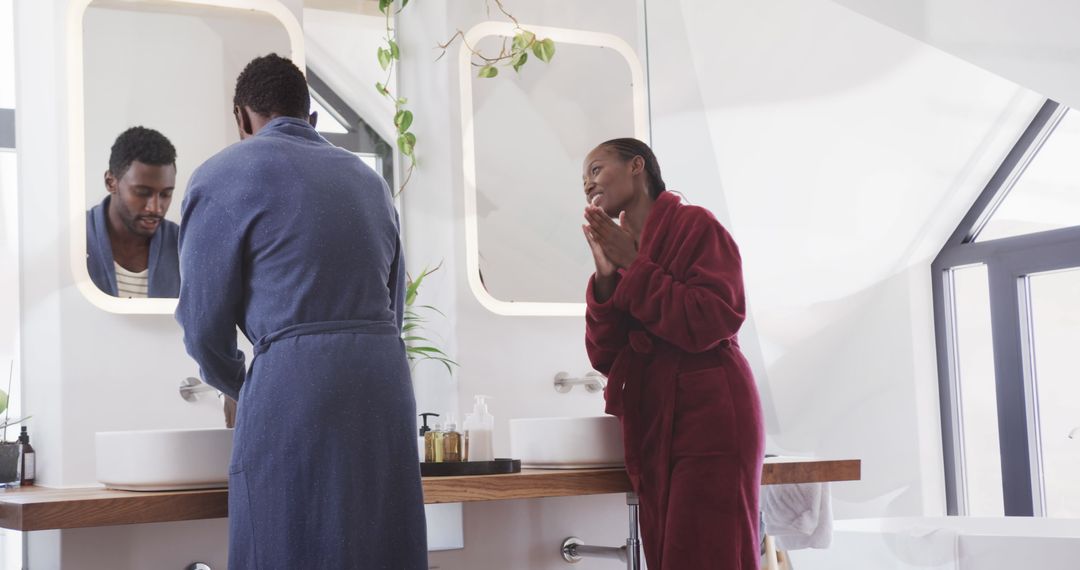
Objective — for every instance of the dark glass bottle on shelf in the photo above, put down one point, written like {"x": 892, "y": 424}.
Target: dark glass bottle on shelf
{"x": 27, "y": 458}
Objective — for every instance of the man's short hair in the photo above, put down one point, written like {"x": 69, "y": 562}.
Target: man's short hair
{"x": 140, "y": 144}
{"x": 273, "y": 85}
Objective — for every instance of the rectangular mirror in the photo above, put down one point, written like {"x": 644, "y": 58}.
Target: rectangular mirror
{"x": 151, "y": 82}
{"x": 526, "y": 252}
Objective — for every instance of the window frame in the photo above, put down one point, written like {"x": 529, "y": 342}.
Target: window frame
{"x": 361, "y": 138}
{"x": 1009, "y": 262}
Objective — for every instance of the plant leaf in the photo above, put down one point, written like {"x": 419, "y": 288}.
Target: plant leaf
{"x": 414, "y": 284}
{"x": 384, "y": 58}
{"x": 488, "y": 71}
{"x": 544, "y": 50}
{"x": 523, "y": 40}
{"x": 394, "y": 51}
{"x": 428, "y": 350}
{"x": 519, "y": 60}
{"x": 384, "y": 4}
{"x": 436, "y": 309}
{"x": 406, "y": 142}
{"x": 417, "y": 346}
{"x": 403, "y": 120}
{"x": 413, "y": 287}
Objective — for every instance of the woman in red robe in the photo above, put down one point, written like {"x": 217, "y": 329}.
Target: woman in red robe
{"x": 664, "y": 308}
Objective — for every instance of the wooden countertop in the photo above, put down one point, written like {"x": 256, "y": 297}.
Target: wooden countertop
{"x": 44, "y": 508}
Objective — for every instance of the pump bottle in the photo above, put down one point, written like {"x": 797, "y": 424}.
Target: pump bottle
{"x": 424, "y": 429}
{"x": 479, "y": 427}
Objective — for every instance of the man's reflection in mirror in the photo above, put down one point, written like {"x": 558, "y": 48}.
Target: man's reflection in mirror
{"x": 130, "y": 246}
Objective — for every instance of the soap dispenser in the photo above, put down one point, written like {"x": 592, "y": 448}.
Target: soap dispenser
{"x": 433, "y": 444}
{"x": 453, "y": 447}
{"x": 479, "y": 427}
{"x": 424, "y": 429}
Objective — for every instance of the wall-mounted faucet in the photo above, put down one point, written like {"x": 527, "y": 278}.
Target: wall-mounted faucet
{"x": 1075, "y": 432}
{"x": 191, "y": 387}
{"x": 593, "y": 382}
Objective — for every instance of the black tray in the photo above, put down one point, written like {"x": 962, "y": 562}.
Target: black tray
{"x": 498, "y": 466}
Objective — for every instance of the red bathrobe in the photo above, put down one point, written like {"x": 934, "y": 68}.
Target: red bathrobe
{"x": 689, "y": 408}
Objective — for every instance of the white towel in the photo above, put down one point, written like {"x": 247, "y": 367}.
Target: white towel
{"x": 798, "y": 516}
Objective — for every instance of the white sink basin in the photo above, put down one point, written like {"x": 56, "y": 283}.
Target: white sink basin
{"x": 164, "y": 460}
{"x": 567, "y": 443}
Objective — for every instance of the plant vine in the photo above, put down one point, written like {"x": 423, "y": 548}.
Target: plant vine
{"x": 403, "y": 118}
{"x": 523, "y": 42}
{"x": 514, "y": 56}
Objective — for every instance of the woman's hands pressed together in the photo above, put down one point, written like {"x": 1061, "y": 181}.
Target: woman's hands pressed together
{"x": 614, "y": 241}
{"x": 613, "y": 247}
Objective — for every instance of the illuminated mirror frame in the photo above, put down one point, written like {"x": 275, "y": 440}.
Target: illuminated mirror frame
{"x": 77, "y": 142}
{"x": 468, "y": 151}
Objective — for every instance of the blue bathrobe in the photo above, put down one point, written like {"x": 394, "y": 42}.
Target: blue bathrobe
{"x": 164, "y": 276}
{"x": 296, "y": 241}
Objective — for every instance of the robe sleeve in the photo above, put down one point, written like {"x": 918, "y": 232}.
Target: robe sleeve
{"x": 211, "y": 291}
{"x": 702, "y": 307}
{"x": 396, "y": 286}
{"x": 605, "y": 330}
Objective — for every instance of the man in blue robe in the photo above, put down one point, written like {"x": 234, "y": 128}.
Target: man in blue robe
{"x": 296, "y": 241}
{"x": 131, "y": 249}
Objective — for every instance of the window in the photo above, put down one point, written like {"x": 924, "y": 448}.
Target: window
{"x": 1007, "y": 317}
{"x": 340, "y": 125}
{"x": 974, "y": 370}
{"x": 1046, "y": 196}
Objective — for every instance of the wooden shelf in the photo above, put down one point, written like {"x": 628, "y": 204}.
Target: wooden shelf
{"x": 528, "y": 484}
{"x": 43, "y": 508}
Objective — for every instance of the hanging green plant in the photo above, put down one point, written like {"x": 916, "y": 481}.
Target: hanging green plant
{"x": 388, "y": 55}
{"x": 515, "y": 55}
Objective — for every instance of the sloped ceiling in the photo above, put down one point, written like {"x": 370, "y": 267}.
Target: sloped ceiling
{"x": 341, "y": 49}
{"x": 1031, "y": 42}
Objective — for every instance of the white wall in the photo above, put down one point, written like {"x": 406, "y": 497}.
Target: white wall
{"x": 7, "y": 55}
{"x": 1031, "y": 42}
{"x": 9, "y": 216}
{"x": 512, "y": 359}
{"x": 84, "y": 370}
{"x": 9, "y": 290}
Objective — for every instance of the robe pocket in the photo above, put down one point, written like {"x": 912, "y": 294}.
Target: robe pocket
{"x": 704, "y": 421}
